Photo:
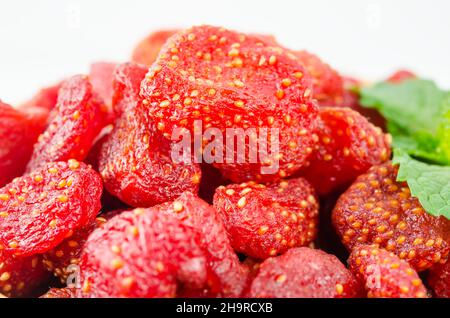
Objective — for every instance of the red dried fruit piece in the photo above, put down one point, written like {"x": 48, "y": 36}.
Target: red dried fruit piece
{"x": 197, "y": 214}
{"x": 39, "y": 210}
{"x": 101, "y": 76}
{"x": 79, "y": 118}
{"x": 348, "y": 146}
{"x": 136, "y": 162}
{"x": 233, "y": 80}
{"x": 148, "y": 49}
{"x": 18, "y": 133}
{"x": 328, "y": 85}
{"x": 378, "y": 209}
{"x": 93, "y": 156}
{"x": 143, "y": 253}
{"x": 304, "y": 273}
{"x": 21, "y": 276}
{"x": 267, "y": 220}
{"x": 61, "y": 293}
{"x": 127, "y": 85}
{"x": 384, "y": 274}
{"x": 46, "y": 98}
{"x": 68, "y": 252}
{"x": 400, "y": 76}
{"x": 439, "y": 280}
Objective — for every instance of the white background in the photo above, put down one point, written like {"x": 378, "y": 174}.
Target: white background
{"x": 45, "y": 40}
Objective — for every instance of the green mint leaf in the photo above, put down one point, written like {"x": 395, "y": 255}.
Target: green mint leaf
{"x": 418, "y": 117}
{"x": 429, "y": 183}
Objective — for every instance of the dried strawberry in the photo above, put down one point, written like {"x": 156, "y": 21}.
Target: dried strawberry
{"x": 328, "y": 85}
{"x": 46, "y": 98}
{"x": 101, "y": 76}
{"x": 267, "y": 220}
{"x": 304, "y": 273}
{"x": 148, "y": 49}
{"x": 68, "y": 252}
{"x": 233, "y": 80}
{"x": 21, "y": 276}
{"x": 143, "y": 253}
{"x": 93, "y": 156}
{"x": 377, "y": 209}
{"x": 348, "y": 146}
{"x": 18, "y": 133}
{"x": 384, "y": 274}
{"x": 127, "y": 85}
{"x": 197, "y": 214}
{"x": 40, "y": 209}
{"x": 79, "y": 118}
{"x": 400, "y": 76}
{"x": 136, "y": 161}
{"x": 439, "y": 280}
{"x": 61, "y": 293}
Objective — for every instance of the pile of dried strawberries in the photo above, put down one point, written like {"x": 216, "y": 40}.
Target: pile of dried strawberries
{"x": 93, "y": 204}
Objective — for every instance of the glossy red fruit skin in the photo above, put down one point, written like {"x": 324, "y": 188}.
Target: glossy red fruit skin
{"x": 384, "y": 274}
{"x": 135, "y": 159}
{"x": 400, "y": 76}
{"x": 18, "y": 133}
{"x": 61, "y": 293}
{"x": 304, "y": 273}
{"x": 328, "y": 85}
{"x": 143, "y": 253}
{"x": 21, "y": 276}
{"x": 101, "y": 76}
{"x": 148, "y": 49}
{"x": 46, "y": 98}
{"x": 439, "y": 280}
{"x": 127, "y": 85}
{"x": 233, "y": 80}
{"x": 347, "y": 146}
{"x": 378, "y": 210}
{"x": 68, "y": 251}
{"x": 266, "y": 220}
{"x": 41, "y": 209}
{"x": 197, "y": 214}
{"x": 79, "y": 118}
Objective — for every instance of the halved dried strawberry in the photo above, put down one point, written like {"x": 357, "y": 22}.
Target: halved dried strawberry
{"x": 136, "y": 160}
{"x": 79, "y": 118}
{"x": 39, "y": 210}
{"x": 384, "y": 274}
{"x": 227, "y": 79}
{"x": 21, "y": 276}
{"x": 197, "y": 214}
{"x": 267, "y": 220}
{"x": 377, "y": 209}
{"x": 143, "y": 253}
{"x": 148, "y": 49}
{"x": 304, "y": 273}
{"x": 348, "y": 146}
{"x": 18, "y": 133}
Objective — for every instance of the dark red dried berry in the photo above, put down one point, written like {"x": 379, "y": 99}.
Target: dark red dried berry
{"x": 348, "y": 145}
{"x": 79, "y": 118}
{"x": 267, "y": 220}
{"x": 39, "y": 210}
{"x": 304, "y": 273}
{"x": 377, "y": 209}
{"x": 384, "y": 274}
